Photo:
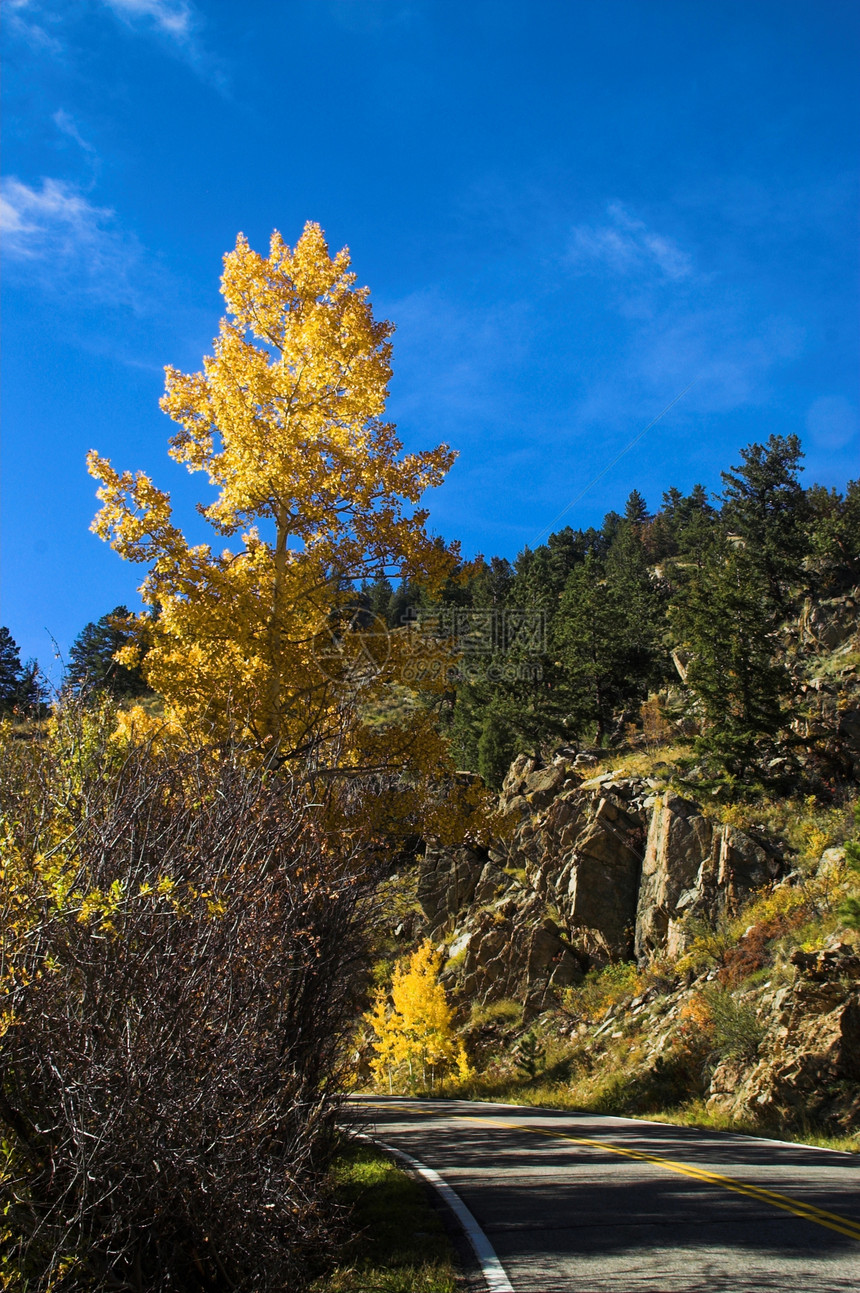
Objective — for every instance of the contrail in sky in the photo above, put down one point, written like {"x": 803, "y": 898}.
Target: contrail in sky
{"x": 609, "y": 467}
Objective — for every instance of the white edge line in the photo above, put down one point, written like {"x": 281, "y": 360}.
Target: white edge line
{"x": 493, "y": 1271}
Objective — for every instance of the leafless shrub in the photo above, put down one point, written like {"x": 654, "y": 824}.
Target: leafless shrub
{"x": 178, "y": 962}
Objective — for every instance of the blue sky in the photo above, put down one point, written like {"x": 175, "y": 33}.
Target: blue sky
{"x": 571, "y": 210}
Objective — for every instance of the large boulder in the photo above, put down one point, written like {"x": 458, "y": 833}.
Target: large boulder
{"x": 693, "y": 865}
{"x": 830, "y": 624}
{"x": 551, "y": 960}
{"x": 680, "y": 840}
{"x": 603, "y": 880}
{"x": 743, "y": 865}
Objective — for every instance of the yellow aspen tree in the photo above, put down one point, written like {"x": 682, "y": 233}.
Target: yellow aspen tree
{"x": 313, "y": 492}
{"x": 385, "y": 1026}
{"x": 417, "y": 1031}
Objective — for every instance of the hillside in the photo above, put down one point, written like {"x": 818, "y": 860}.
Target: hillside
{"x": 630, "y": 941}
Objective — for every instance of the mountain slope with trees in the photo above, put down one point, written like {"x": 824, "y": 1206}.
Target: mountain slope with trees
{"x": 666, "y": 918}
{"x": 687, "y": 604}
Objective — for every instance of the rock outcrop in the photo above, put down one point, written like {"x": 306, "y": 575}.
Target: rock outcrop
{"x": 823, "y": 648}
{"x": 807, "y": 1068}
{"x": 693, "y": 866}
{"x": 589, "y": 870}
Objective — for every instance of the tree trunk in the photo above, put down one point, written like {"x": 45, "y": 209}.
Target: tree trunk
{"x": 271, "y": 724}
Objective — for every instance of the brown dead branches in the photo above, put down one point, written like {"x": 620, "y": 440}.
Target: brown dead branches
{"x": 180, "y": 947}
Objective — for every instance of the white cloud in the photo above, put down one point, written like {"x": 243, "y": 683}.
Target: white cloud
{"x": 66, "y": 123}
{"x": 38, "y": 222}
{"x": 20, "y": 21}
{"x": 61, "y": 239}
{"x": 172, "y": 17}
{"x": 179, "y": 24}
{"x": 626, "y": 246}
{"x": 713, "y": 347}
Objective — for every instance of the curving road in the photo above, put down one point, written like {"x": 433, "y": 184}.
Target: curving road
{"x": 595, "y": 1204}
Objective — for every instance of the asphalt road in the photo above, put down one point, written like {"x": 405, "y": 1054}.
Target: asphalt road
{"x": 590, "y": 1204}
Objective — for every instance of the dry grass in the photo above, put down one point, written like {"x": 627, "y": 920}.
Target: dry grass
{"x": 587, "y": 1096}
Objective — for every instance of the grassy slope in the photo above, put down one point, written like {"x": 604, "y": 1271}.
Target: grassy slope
{"x": 400, "y": 1245}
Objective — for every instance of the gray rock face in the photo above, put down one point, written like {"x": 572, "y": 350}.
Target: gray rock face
{"x": 446, "y": 884}
{"x": 693, "y": 864}
{"x": 742, "y": 866}
{"x": 590, "y": 871}
{"x": 827, "y": 638}
{"x": 679, "y": 846}
{"x": 831, "y": 623}
{"x": 604, "y": 867}
{"x": 550, "y": 959}
{"x": 544, "y": 785}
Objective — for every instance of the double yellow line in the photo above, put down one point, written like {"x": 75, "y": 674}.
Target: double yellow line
{"x": 807, "y": 1211}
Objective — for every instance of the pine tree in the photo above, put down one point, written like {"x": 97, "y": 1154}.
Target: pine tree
{"x": 835, "y": 534}
{"x": 31, "y": 699}
{"x": 93, "y": 666}
{"x": 641, "y": 597}
{"x": 635, "y": 509}
{"x": 497, "y": 747}
{"x": 489, "y": 582}
{"x": 588, "y": 637}
{"x": 764, "y": 503}
{"x": 683, "y": 526}
{"x": 726, "y": 621}
{"x": 380, "y": 594}
{"x": 402, "y": 606}
{"x": 661, "y": 541}
{"x": 608, "y": 634}
{"x": 516, "y": 701}
{"x": 11, "y": 671}
{"x": 695, "y": 523}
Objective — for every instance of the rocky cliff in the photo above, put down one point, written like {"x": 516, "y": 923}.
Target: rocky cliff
{"x": 589, "y": 870}
{"x": 594, "y": 870}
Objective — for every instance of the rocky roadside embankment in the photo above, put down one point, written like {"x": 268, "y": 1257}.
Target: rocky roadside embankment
{"x": 595, "y": 870}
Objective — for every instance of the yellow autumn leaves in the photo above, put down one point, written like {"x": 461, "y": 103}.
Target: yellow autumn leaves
{"x": 415, "y": 1045}
{"x": 313, "y": 490}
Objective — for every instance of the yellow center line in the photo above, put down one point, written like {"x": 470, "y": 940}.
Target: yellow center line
{"x": 808, "y": 1211}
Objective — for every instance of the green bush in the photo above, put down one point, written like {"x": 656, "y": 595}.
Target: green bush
{"x": 529, "y": 1055}
{"x": 601, "y": 989}
{"x": 736, "y": 1031}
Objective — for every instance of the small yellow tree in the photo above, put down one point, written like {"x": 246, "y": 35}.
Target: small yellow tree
{"x": 415, "y": 1032}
